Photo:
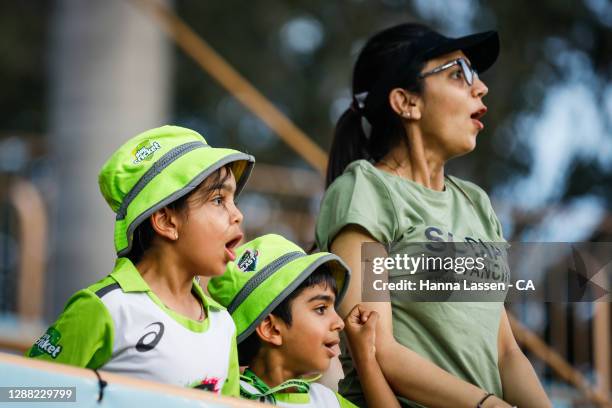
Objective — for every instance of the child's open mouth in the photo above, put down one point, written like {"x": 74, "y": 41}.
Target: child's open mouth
{"x": 230, "y": 245}
{"x": 333, "y": 348}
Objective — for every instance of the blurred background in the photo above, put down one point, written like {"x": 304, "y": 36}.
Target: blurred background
{"x": 80, "y": 77}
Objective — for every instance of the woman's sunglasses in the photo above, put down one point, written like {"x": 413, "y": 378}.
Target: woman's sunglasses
{"x": 468, "y": 73}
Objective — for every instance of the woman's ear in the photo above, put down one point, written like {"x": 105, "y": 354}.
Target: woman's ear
{"x": 270, "y": 331}
{"x": 165, "y": 222}
{"x": 405, "y": 104}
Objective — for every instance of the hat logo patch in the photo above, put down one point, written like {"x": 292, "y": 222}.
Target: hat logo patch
{"x": 144, "y": 151}
{"x": 248, "y": 260}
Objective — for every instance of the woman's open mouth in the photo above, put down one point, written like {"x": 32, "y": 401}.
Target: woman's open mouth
{"x": 476, "y": 117}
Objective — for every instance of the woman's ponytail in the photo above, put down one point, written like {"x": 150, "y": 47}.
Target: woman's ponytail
{"x": 387, "y": 61}
{"x": 349, "y": 144}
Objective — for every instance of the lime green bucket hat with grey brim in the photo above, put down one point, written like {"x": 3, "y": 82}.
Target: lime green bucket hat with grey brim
{"x": 157, "y": 167}
{"x": 266, "y": 271}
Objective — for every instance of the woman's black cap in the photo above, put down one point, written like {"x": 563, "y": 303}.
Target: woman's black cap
{"x": 481, "y": 49}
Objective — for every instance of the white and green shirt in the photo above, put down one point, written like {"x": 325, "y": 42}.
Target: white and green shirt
{"x": 309, "y": 395}
{"x": 120, "y": 325}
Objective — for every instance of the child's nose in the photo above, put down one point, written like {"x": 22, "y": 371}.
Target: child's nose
{"x": 236, "y": 214}
{"x": 338, "y": 323}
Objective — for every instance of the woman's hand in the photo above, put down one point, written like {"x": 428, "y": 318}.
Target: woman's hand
{"x": 360, "y": 328}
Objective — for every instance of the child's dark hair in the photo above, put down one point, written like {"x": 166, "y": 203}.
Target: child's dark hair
{"x": 248, "y": 348}
{"x": 387, "y": 61}
{"x": 144, "y": 233}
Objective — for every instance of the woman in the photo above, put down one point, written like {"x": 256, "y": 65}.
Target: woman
{"x": 417, "y": 104}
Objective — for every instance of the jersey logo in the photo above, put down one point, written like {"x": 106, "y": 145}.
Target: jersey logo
{"x": 248, "y": 260}
{"x": 209, "y": 384}
{"x": 143, "y": 346}
{"x": 47, "y": 344}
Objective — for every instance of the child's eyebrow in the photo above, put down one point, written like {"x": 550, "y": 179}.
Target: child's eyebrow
{"x": 326, "y": 298}
{"x": 222, "y": 186}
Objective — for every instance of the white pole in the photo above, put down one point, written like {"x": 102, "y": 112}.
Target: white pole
{"x": 110, "y": 79}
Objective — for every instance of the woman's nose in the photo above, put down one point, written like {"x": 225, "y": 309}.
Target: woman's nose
{"x": 479, "y": 89}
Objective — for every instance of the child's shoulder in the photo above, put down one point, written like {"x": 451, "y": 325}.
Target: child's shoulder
{"x": 212, "y": 304}
{"x": 222, "y": 320}
{"x": 91, "y": 295}
{"x": 103, "y": 286}
{"x": 321, "y": 396}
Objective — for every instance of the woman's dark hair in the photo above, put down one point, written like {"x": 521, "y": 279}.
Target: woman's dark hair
{"x": 144, "y": 233}
{"x": 248, "y": 348}
{"x": 387, "y": 61}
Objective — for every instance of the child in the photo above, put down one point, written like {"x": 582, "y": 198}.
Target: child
{"x": 149, "y": 318}
{"x": 282, "y": 302}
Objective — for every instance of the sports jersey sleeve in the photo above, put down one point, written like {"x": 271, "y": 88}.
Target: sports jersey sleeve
{"x": 360, "y": 198}
{"x": 82, "y": 336}
{"x": 232, "y": 384}
{"x": 344, "y": 403}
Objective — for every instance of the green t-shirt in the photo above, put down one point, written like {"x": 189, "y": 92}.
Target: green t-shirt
{"x": 119, "y": 325}
{"x": 460, "y": 337}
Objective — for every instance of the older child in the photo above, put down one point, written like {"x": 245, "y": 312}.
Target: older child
{"x": 176, "y": 219}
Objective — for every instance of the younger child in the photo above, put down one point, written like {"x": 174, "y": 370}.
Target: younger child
{"x": 176, "y": 219}
{"x": 283, "y": 303}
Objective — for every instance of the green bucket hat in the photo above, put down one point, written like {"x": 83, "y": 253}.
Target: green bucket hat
{"x": 267, "y": 270}
{"x": 156, "y": 168}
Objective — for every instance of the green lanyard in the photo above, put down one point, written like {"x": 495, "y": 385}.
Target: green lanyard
{"x": 267, "y": 393}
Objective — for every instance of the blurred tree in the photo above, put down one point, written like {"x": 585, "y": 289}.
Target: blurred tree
{"x": 23, "y": 71}
{"x": 300, "y": 55}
